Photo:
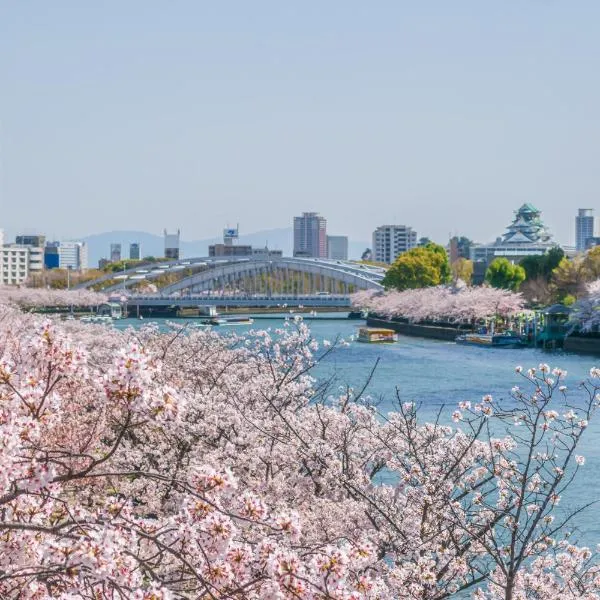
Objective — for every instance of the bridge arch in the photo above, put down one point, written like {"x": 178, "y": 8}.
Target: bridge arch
{"x": 321, "y": 273}
{"x": 217, "y": 273}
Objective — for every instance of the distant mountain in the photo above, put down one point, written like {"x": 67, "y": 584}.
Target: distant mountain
{"x": 153, "y": 245}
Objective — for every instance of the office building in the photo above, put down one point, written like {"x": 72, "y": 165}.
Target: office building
{"x": 584, "y": 228}
{"x": 51, "y": 255}
{"x": 115, "y": 252}
{"x": 172, "y": 245}
{"x": 310, "y": 235}
{"x": 390, "y": 241}
{"x": 337, "y": 247}
{"x": 73, "y": 255}
{"x": 135, "y": 251}
{"x": 66, "y": 255}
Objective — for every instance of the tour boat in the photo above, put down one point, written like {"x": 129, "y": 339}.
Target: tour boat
{"x": 492, "y": 340}
{"x": 232, "y": 321}
{"x": 376, "y": 335}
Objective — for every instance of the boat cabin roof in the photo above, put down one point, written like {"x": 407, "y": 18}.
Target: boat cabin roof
{"x": 375, "y": 330}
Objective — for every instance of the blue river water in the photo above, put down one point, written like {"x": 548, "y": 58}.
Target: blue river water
{"x": 434, "y": 373}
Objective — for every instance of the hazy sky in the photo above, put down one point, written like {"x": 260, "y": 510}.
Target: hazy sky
{"x": 445, "y": 115}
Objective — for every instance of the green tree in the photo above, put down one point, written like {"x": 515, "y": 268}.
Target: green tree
{"x": 569, "y": 278}
{"x": 543, "y": 265}
{"x": 444, "y": 264}
{"x": 503, "y": 274}
{"x": 420, "y": 267}
{"x": 462, "y": 269}
{"x": 591, "y": 264}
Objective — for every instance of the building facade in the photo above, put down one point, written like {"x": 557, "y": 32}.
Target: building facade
{"x": 73, "y": 255}
{"x": 172, "y": 245}
{"x": 390, "y": 241}
{"x": 18, "y": 261}
{"x": 584, "y": 228}
{"x": 66, "y": 255}
{"x": 310, "y": 235}
{"x": 266, "y": 253}
{"x": 337, "y": 247}
{"x": 229, "y": 250}
{"x": 135, "y": 251}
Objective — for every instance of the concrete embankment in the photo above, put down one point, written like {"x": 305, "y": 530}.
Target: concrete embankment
{"x": 426, "y": 331}
{"x": 582, "y": 345}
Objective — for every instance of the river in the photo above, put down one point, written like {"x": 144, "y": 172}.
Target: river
{"x": 434, "y": 373}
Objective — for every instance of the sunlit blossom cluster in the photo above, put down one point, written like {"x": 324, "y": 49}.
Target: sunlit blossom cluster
{"x": 442, "y": 303}
{"x": 41, "y": 297}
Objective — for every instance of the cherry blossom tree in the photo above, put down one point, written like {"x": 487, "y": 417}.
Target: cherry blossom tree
{"x": 186, "y": 464}
{"x": 443, "y": 303}
{"x": 586, "y": 311}
{"x": 41, "y": 297}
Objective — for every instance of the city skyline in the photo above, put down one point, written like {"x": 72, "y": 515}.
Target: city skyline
{"x": 369, "y": 116}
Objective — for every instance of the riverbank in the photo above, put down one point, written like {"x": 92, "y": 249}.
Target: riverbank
{"x": 434, "y": 332}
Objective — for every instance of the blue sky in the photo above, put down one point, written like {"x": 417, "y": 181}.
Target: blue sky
{"x": 444, "y": 115}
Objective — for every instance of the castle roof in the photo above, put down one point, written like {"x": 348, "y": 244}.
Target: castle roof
{"x": 527, "y": 227}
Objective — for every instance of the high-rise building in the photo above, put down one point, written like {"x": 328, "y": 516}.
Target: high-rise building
{"x": 337, "y": 247}
{"x": 310, "y": 235}
{"x": 135, "y": 251}
{"x": 584, "y": 228}
{"x": 172, "y": 245}
{"x": 115, "y": 252}
{"x": 389, "y": 241}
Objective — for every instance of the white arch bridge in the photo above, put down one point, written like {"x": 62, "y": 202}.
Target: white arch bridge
{"x": 246, "y": 275}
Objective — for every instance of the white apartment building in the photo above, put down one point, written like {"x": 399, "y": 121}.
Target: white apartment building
{"x": 17, "y": 262}
{"x": 389, "y": 241}
{"x": 337, "y": 247}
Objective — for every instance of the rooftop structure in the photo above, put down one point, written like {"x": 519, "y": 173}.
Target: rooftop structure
{"x": 31, "y": 240}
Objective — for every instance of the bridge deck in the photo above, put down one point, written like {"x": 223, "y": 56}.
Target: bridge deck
{"x": 273, "y": 301}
